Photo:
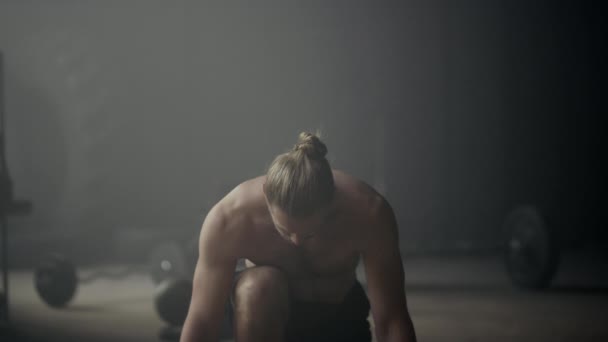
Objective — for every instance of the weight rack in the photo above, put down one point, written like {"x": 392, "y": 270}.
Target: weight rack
{"x": 8, "y": 205}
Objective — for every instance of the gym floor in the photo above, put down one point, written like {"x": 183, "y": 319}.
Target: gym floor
{"x": 450, "y": 299}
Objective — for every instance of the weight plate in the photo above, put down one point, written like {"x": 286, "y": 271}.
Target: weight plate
{"x": 55, "y": 280}
{"x": 531, "y": 252}
{"x": 168, "y": 260}
{"x": 172, "y": 300}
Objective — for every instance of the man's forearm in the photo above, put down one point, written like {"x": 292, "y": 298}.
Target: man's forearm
{"x": 198, "y": 332}
{"x": 397, "y": 330}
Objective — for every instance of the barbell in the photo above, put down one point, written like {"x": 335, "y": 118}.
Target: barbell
{"x": 56, "y": 279}
{"x": 170, "y": 267}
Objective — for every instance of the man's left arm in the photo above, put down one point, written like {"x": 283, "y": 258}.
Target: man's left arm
{"x": 385, "y": 277}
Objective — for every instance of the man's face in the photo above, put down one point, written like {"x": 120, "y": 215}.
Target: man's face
{"x": 302, "y": 231}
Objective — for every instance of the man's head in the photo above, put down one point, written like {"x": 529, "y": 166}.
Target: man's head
{"x": 299, "y": 185}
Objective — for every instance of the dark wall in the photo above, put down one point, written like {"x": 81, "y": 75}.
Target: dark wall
{"x": 515, "y": 117}
{"x": 132, "y": 119}
{"x": 556, "y": 149}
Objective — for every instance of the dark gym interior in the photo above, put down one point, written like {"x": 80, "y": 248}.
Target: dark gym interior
{"x": 481, "y": 122}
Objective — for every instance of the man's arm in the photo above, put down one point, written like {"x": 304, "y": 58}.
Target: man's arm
{"x": 385, "y": 278}
{"x": 212, "y": 281}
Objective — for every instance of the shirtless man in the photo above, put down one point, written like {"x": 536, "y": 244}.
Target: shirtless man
{"x": 302, "y": 229}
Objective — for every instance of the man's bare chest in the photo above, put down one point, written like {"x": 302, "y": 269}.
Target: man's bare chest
{"x": 325, "y": 259}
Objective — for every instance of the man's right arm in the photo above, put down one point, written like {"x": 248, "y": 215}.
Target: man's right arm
{"x": 212, "y": 280}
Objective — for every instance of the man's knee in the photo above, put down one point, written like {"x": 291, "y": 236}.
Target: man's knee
{"x": 263, "y": 289}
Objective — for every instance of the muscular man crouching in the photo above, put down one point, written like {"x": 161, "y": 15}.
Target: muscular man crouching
{"x": 302, "y": 229}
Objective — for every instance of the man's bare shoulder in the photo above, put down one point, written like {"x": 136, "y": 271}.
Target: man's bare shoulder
{"x": 231, "y": 217}
{"x": 245, "y": 198}
{"x": 360, "y": 196}
{"x": 370, "y": 212}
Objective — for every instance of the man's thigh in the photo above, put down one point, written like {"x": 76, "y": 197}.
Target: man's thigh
{"x": 274, "y": 288}
{"x": 316, "y": 321}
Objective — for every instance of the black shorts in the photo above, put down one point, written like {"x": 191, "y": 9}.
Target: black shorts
{"x": 321, "y": 322}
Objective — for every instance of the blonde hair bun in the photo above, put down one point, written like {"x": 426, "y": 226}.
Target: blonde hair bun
{"x": 301, "y": 181}
{"x": 311, "y": 145}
